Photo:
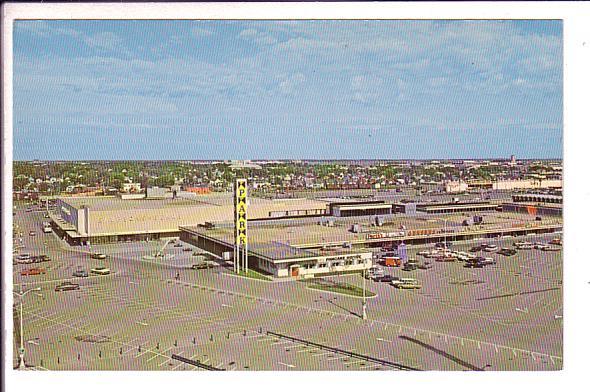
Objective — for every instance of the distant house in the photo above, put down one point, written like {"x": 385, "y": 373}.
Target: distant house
{"x": 131, "y": 187}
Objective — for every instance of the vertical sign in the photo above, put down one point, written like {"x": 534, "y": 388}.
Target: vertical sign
{"x": 402, "y": 252}
{"x": 241, "y": 224}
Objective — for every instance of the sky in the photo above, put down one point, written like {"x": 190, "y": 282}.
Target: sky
{"x": 167, "y": 90}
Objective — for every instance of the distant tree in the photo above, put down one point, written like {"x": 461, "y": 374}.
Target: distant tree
{"x": 19, "y": 184}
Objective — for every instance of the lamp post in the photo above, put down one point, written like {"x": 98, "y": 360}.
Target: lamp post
{"x": 364, "y": 315}
{"x": 21, "y": 350}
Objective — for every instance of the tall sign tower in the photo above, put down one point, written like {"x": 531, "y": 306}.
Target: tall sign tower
{"x": 241, "y": 225}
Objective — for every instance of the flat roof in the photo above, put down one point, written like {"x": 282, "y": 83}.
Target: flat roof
{"x": 363, "y": 207}
{"x": 277, "y": 238}
{"x": 458, "y": 206}
{"x": 535, "y": 204}
{"x": 111, "y": 215}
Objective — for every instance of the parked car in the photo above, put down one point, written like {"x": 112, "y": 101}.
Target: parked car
{"x": 375, "y": 272}
{"x": 23, "y": 256}
{"x": 384, "y": 278}
{"x": 442, "y": 245}
{"x": 67, "y": 286}
{"x": 425, "y": 265}
{"x": 490, "y": 248}
{"x": 98, "y": 256}
{"x": 407, "y": 283}
{"x": 484, "y": 260}
{"x": 179, "y": 245}
{"x": 80, "y": 273}
{"x": 507, "y": 252}
{"x": 410, "y": 266}
{"x": 556, "y": 241}
{"x": 521, "y": 243}
{"x": 32, "y": 233}
{"x": 100, "y": 271}
{"x": 391, "y": 261}
{"x": 423, "y": 253}
{"x": 47, "y": 229}
{"x": 187, "y": 250}
{"x": 551, "y": 249}
{"x": 540, "y": 245}
{"x": 473, "y": 264}
{"x": 476, "y": 249}
{"x": 446, "y": 259}
{"x": 202, "y": 266}
{"x": 33, "y": 271}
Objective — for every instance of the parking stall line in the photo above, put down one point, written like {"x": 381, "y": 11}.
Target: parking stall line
{"x": 64, "y": 327}
{"x": 45, "y": 323}
{"x": 136, "y": 347}
{"x": 336, "y": 358}
{"x": 278, "y": 343}
{"x": 297, "y": 345}
{"x": 319, "y": 355}
{"x": 160, "y": 354}
{"x": 307, "y": 351}
{"x": 372, "y": 366}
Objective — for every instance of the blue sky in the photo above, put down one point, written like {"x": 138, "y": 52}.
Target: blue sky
{"x": 287, "y": 89}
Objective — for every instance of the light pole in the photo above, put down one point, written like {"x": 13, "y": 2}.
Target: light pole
{"x": 364, "y": 315}
{"x": 21, "y": 350}
{"x": 445, "y": 229}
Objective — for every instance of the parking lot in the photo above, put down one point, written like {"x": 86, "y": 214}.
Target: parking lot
{"x": 502, "y": 317}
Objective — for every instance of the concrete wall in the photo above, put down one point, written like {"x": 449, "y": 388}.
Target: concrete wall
{"x": 456, "y": 187}
{"x": 526, "y": 184}
{"x": 324, "y": 265}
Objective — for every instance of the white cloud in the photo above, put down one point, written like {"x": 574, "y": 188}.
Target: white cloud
{"x": 288, "y": 86}
{"x": 259, "y": 37}
{"x": 199, "y": 32}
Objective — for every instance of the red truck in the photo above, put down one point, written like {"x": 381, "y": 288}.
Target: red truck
{"x": 392, "y": 261}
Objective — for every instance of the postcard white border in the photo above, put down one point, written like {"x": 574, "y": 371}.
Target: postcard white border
{"x": 576, "y": 192}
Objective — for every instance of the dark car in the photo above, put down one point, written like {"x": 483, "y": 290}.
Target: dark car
{"x": 179, "y": 245}
{"x": 67, "y": 286}
{"x": 507, "y": 252}
{"x": 473, "y": 265}
{"x": 483, "y": 260}
{"x": 187, "y": 250}
{"x": 384, "y": 278}
{"x": 80, "y": 273}
{"x": 442, "y": 245}
{"x": 98, "y": 256}
{"x": 410, "y": 267}
{"x": 202, "y": 266}
{"x": 476, "y": 249}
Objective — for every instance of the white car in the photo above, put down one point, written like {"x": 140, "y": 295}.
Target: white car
{"x": 47, "y": 229}
{"x": 375, "y": 272}
{"x": 423, "y": 253}
{"x": 490, "y": 248}
{"x": 100, "y": 271}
